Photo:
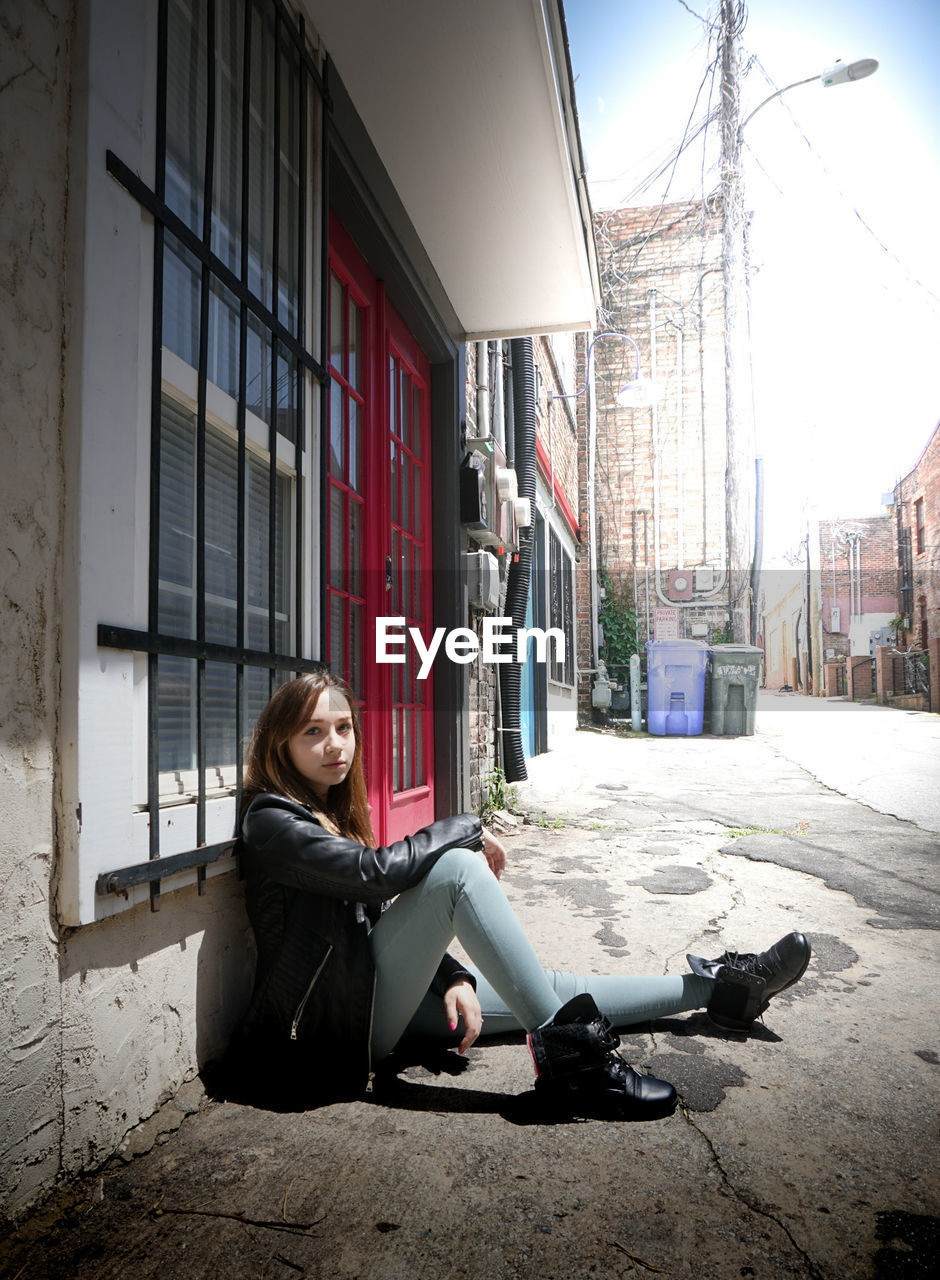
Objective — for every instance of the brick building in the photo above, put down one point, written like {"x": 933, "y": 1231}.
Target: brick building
{"x": 858, "y": 583}
{"x": 917, "y": 513}
{"x": 660, "y": 472}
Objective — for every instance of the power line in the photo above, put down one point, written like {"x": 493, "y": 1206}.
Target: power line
{"x": 888, "y": 252}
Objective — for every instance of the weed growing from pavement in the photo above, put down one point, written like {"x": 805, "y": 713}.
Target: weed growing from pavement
{"x": 499, "y": 795}
{"x": 800, "y": 829}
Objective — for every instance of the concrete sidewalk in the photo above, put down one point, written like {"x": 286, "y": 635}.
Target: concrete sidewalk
{"x": 808, "y": 1150}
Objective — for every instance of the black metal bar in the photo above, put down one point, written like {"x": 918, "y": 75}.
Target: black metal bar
{"x": 156, "y": 416}
{"x": 152, "y": 872}
{"x": 112, "y": 637}
{"x": 275, "y": 279}
{"x": 241, "y": 409}
{"x": 300, "y": 432}
{"x": 298, "y": 36}
{"x": 202, "y": 379}
{"x": 163, "y": 214}
{"x": 326, "y": 285}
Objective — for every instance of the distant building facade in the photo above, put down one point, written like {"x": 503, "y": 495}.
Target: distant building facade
{"x": 660, "y": 472}
{"x": 917, "y": 514}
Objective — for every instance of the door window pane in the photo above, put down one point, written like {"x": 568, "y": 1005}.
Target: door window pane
{"x": 420, "y": 774}
{"x": 396, "y": 601}
{"x": 395, "y": 482}
{"x": 354, "y": 510}
{"x": 396, "y": 760}
{"x": 337, "y": 538}
{"x": 337, "y": 639}
{"x": 337, "y": 329}
{"x": 355, "y": 346}
{"x": 355, "y": 444}
{"x": 355, "y": 646}
{"x": 407, "y": 752}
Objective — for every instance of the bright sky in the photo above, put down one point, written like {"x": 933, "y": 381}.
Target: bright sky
{"x": 846, "y": 341}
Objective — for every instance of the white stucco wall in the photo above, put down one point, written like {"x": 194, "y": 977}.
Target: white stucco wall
{"x": 98, "y": 1024}
{"x": 34, "y": 48}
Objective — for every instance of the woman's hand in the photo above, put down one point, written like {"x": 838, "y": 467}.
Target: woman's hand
{"x": 461, "y": 999}
{"x": 494, "y": 853}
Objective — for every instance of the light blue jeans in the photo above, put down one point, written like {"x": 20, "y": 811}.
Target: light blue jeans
{"x": 460, "y": 897}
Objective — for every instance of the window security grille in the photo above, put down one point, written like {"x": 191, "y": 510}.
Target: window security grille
{"x": 561, "y": 606}
{"x": 235, "y": 102}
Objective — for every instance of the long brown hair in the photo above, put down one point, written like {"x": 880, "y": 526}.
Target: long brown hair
{"x": 268, "y": 766}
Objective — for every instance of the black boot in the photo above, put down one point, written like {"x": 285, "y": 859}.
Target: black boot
{"x": 578, "y": 1071}
{"x": 746, "y": 983}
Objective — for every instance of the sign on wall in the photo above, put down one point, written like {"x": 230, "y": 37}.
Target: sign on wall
{"x": 665, "y": 624}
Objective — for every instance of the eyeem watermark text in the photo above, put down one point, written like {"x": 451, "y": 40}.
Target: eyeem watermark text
{"x": 501, "y": 643}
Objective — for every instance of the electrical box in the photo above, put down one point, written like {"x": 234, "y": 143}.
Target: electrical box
{"x": 474, "y": 509}
{"x": 880, "y": 638}
{"x": 482, "y": 570}
{"x": 489, "y": 492}
{"x": 704, "y": 579}
{"x": 835, "y": 618}
{"x": 680, "y": 584}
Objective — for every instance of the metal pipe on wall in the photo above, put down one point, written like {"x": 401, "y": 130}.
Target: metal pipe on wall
{"x": 482, "y": 389}
{"x": 680, "y": 462}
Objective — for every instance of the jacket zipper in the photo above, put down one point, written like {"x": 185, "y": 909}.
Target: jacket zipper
{"x": 303, "y": 1004}
{"x": 371, "y": 1074}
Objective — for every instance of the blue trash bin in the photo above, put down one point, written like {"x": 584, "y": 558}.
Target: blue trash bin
{"x": 675, "y": 679}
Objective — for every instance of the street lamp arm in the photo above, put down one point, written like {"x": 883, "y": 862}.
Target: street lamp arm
{"x": 786, "y": 87}
{"x": 624, "y": 337}
{"x": 841, "y": 73}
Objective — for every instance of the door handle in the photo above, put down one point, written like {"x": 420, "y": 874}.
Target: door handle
{"x": 388, "y": 573}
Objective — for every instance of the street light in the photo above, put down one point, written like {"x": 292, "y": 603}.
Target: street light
{"x": 739, "y": 423}
{"x": 639, "y": 393}
{"x": 839, "y": 73}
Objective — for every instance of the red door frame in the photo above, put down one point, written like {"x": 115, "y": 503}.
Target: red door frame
{"x": 385, "y": 343}
{"x": 410, "y": 804}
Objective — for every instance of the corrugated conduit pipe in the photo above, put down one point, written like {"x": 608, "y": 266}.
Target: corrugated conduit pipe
{"x": 517, "y": 581}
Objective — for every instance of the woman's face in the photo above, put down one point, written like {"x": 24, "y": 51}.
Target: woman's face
{"x": 322, "y": 750}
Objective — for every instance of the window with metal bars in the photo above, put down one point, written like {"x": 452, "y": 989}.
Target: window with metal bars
{"x": 561, "y": 607}
{"x": 233, "y": 377}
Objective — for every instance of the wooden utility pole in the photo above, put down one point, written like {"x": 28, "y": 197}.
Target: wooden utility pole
{"x": 739, "y": 415}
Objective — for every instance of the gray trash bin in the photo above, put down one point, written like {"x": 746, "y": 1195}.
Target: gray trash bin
{"x": 735, "y": 676}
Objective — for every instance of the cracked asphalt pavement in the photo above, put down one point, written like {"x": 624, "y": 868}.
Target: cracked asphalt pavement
{"x": 808, "y": 1149}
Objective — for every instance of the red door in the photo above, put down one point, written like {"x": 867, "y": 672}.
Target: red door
{"x": 378, "y": 547}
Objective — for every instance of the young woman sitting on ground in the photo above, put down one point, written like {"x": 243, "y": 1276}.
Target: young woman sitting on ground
{"x": 352, "y": 939}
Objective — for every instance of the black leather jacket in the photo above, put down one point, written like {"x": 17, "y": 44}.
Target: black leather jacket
{"x": 312, "y": 898}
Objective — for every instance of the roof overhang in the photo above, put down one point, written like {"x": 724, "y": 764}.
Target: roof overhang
{"x": 470, "y": 108}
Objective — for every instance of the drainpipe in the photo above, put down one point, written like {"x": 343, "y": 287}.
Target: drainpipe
{"x": 517, "y": 583}
{"x": 507, "y": 423}
{"x": 592, "y": 523}
{"x": 758, "y": 543}
{"x": 483, "y": 389}
{"x": 633, "y": 550}
{"x": 832, "y": 562}
{"x": 680, "y": 461}
{"x": 499, "y": 400}
{"x": 646, "y": 562}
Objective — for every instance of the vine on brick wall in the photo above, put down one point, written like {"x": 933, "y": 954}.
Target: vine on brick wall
{"x": 619, "y": 623}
